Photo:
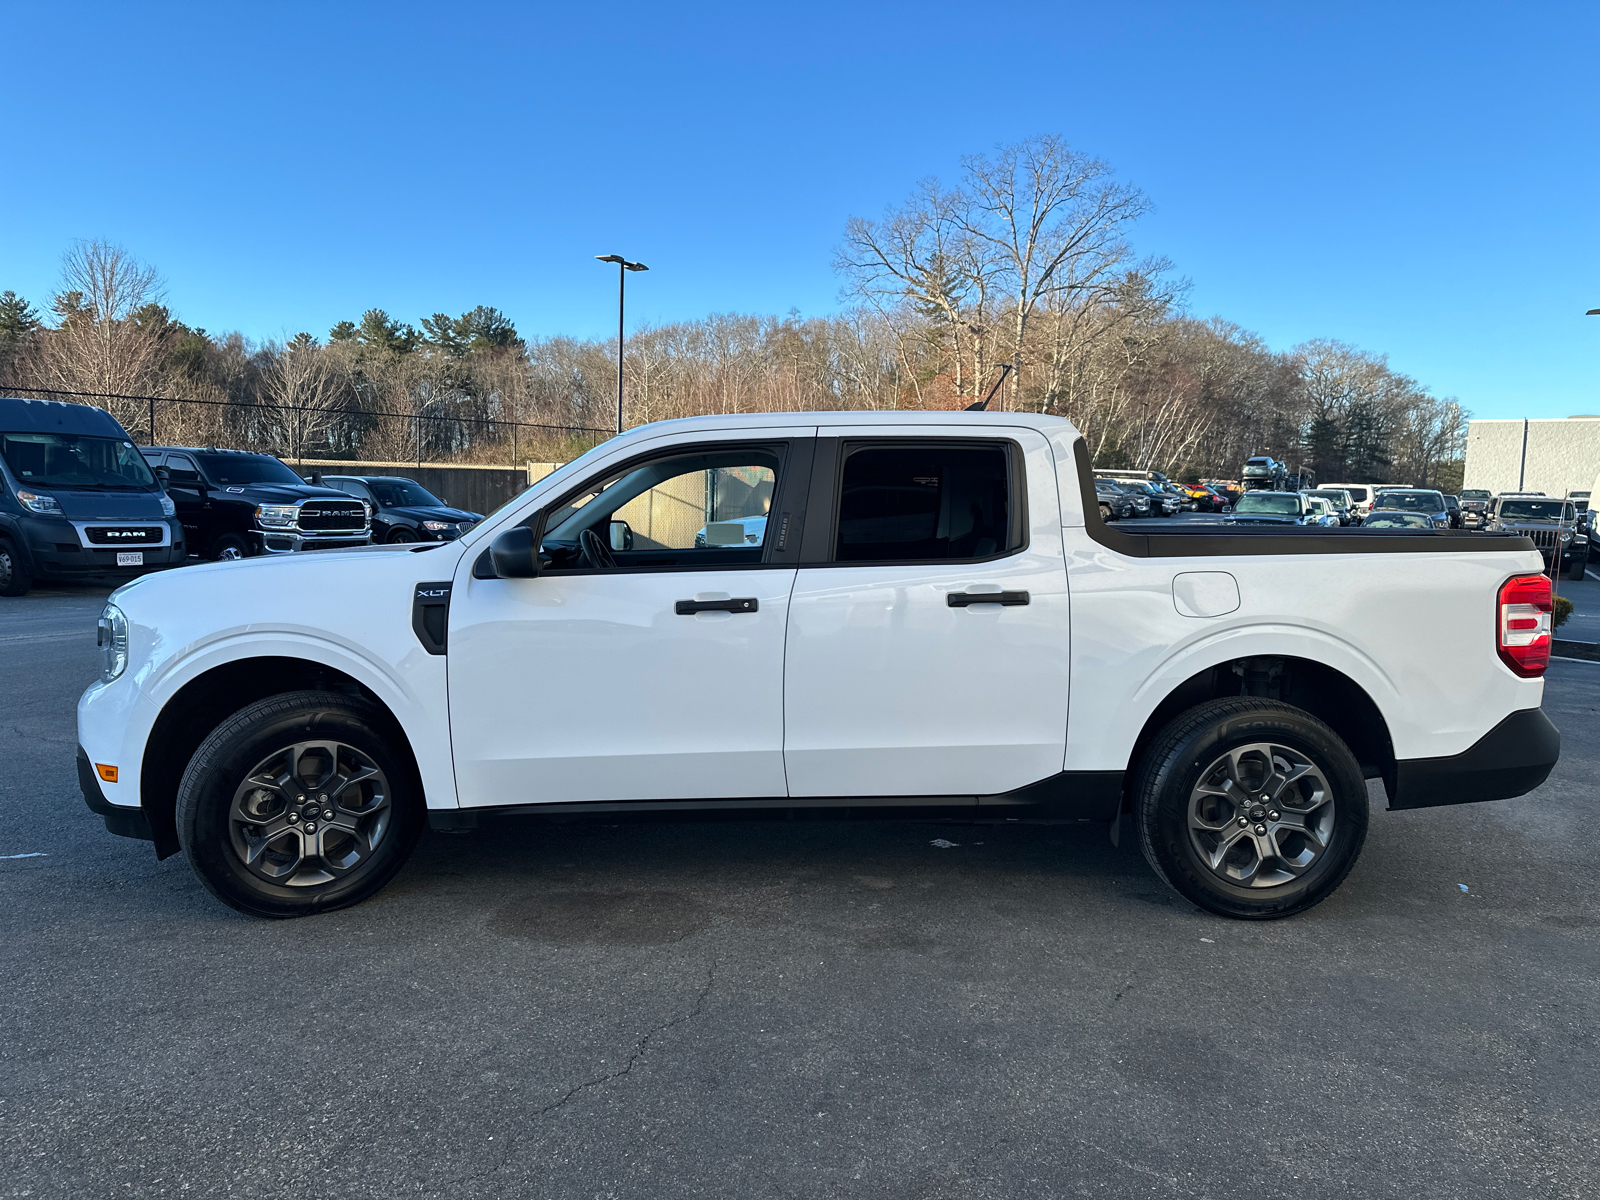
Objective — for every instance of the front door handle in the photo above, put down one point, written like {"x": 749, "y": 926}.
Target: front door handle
{"x": 687, "y": 608}
{"x": 962, "y": 599}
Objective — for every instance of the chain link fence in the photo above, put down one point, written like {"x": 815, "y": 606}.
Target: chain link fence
{"x": 344, "y": 434}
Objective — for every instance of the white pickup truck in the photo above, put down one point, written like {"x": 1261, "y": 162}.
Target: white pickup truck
{"x": 873, "y": 613}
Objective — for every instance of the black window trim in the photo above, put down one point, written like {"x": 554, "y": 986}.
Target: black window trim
{"x": 788, "y": 500}
{"x": 827, "y": 483}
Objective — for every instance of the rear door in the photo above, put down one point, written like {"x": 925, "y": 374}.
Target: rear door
{"x": 903, "y": 677}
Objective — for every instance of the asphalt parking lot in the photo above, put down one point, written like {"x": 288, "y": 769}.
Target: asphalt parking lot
{"x": 792, "y": 1009}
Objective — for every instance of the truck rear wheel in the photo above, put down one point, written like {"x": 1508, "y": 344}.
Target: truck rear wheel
{"x": 301, "y": 803}
{"x": 1250, "y": 808}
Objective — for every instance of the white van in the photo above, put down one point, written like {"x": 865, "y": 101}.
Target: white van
{"x": 1361, "y": 494}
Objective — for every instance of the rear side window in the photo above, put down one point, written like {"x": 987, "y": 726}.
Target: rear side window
{"x": 926, "y": 502}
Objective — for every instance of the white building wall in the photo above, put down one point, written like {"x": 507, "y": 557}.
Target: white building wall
{"x": 1562, "y": 455}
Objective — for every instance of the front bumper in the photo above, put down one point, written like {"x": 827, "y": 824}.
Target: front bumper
{"x": 56, "y": 549}
{"x": 292, "y": 541}
{"x": 1512, "y": 759}
{"x": 125, "y": 822}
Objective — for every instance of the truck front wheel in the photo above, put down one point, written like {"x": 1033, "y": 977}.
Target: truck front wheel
{"x": 14, "y": 577}
{"x": 1250, "y": 808}
{"x": 303, "y": 802}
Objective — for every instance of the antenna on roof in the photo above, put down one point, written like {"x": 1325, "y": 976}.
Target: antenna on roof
{"x": 983, "y": 405}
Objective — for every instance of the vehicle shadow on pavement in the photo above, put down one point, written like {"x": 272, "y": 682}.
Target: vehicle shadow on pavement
{"x": 591, "y": 883}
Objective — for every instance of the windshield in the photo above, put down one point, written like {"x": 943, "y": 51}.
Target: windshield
{"x": 1276, "y": 503}
{"x": 1331, "y": 497}
{"x": 1474, "y": 494}
{"x": 1398, "y": 520}
{"x": 1426, "y": 502}
{"x": 402, "y": 493}
{"x": 76, "y": 462}
{"x": 225, "y": 469}
{"x": 1533, "y": 510}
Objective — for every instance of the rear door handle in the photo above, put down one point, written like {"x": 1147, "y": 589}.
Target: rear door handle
{"x": 687, "y": 608}
{"x": 962, "y": 599}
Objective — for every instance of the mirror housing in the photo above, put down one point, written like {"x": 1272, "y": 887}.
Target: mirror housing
{"x": 515, "y": 553}
{"x": 163, "y": 476}
{"x": 621, "y": 535}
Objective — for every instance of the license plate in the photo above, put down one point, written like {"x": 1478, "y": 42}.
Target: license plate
{"x": 130, "y": 558}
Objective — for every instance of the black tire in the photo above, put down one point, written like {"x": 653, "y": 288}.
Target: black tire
{"x": 401, "y": 534}
{"x": 14, "y": 577}
{"x": 217, "y": 841}
{"x": 230, "y": 547}
{"x": 1181, "y": 761}
{"x": 1105, "y": 512}
{"x": 1575, "y": 571}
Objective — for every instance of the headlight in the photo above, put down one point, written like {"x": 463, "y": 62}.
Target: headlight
{"x": 111, "y": 634}
{"x": 276, "y": 516}
{"x": 1566, "y": 535}
{"x": 437, "y": 526}
{"x": 168, "y": 508}
{"x": 34, "y": 502}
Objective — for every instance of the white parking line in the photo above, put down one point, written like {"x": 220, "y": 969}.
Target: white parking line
{"x": 1588, "y": 574}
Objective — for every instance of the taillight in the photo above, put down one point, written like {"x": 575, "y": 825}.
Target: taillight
{"x": 1524, "y": 627}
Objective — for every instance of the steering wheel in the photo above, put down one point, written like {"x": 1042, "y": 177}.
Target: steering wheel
{"x": 596, "y": 551}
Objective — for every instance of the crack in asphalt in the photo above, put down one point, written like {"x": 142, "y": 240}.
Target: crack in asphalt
{"x": 638, "y": 1053}
{"x": 643, "y": 1045}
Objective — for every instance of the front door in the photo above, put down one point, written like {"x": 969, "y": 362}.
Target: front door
{"x": 646, "y": 661}
{"x": 902, "y": 679}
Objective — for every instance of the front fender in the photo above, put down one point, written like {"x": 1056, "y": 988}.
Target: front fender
{"x": 115, "y": 720}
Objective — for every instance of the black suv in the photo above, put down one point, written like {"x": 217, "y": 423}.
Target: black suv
{"x": 1551, "y": 523}
{"x": 234, "y": 503}
{"x": 403, "y": 510}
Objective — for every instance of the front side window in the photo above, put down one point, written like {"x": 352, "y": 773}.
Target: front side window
{"x": 709, "y": 506}
{"x": 76, "y": 462}
{"x": 925, "y": 502}
{"x": 181, "y": 471}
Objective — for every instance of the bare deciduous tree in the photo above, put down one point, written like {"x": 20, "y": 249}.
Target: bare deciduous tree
{"x": 99, "y": 344}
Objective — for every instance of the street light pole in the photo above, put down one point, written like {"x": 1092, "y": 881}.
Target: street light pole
{"x": 623, "y": 265}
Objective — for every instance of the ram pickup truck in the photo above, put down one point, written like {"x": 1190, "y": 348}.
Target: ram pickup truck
{"x": 929, "y": 597}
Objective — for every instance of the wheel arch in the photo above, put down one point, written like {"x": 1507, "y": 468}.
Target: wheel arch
{"x": 201, "y": 704}
{"x": 1325, "y": 692}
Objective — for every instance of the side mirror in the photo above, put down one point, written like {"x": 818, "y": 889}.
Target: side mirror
{"x": 621, "y": 536}
{"x": 163, "y": 476}
{"x": 515, "y": 553}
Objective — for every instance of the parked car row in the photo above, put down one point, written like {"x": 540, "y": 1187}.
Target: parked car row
{"x": 1122, "y": 498}
{"x": 79, "y": 501}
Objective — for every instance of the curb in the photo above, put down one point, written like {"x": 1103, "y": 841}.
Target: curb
{"x": 1589, "y": 651}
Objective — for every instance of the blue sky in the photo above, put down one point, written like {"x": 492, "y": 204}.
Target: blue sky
{"x": 1417, "y": 179}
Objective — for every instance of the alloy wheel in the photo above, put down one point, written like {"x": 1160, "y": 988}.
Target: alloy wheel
{"x": 310, "y": 813}
{"x": 1261, "y": 815}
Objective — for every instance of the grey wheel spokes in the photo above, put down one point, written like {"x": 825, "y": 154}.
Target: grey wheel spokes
{"x": 309, "y": 813}
{"x": 1261, "y": 815}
